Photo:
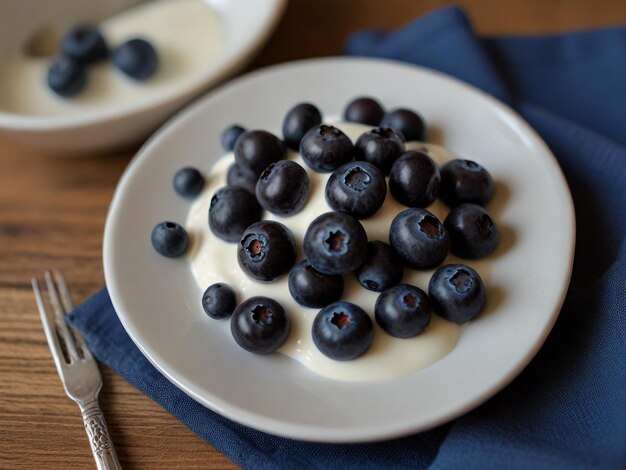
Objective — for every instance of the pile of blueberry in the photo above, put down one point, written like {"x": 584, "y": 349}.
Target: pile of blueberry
{"x": 335, "y": 243}
{"x": 85, "y": 45}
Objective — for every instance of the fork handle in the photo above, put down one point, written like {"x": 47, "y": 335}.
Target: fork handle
{"x": 99, "y": 439}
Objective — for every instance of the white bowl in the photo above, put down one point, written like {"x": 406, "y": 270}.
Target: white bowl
{"x": 158, "y": 299}
{"x": 245, "y": 25}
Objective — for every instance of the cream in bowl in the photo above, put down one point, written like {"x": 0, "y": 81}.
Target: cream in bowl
{"x": 185, "y": 33}
{"x": 198, "y": 42}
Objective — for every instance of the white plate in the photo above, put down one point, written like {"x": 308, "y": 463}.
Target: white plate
{"x": 158, "y": 300}
{"x": 244, "y": 25}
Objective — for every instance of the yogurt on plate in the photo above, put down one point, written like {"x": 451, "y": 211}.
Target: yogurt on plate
{"x": 214, "y": 260}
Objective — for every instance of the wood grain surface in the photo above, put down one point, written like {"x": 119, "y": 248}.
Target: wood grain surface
{"x": 52, "y": 214}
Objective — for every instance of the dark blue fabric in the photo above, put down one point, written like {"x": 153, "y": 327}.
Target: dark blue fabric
{"x": 567, "y": 410}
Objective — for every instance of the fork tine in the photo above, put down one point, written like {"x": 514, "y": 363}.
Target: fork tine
{"x": 59, "y": 315}
{"x": 48, "y": 327}
{"x": 68, "y": 306}
{"x": 66, "y": 298}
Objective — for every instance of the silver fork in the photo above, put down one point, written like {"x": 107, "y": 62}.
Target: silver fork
{"x": 76, "y": 366}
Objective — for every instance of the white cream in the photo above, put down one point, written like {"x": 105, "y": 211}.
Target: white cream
{"x": 213, "y": 260}
{"x": 185, "y": 33}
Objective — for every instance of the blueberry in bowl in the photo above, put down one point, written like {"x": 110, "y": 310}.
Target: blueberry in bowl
{"x": 66, "y": 77}
{"x": 219, "y": 300}
{"x": 297, "y": 123}
{"x": 283, "y": 188}
{"x": 381, "y": 269}
{"x": 407, "y": 122}
{"x": 136, "y": 58}
{"x": 380, "y": 147}
{"x": 364, "y": 110}
{"x": 403, "y": 311}
{"x": 232, "y": 210}
{"x": 84, "y": 44}
{"x": 419, "y": 238}
{"x": 335, "y": 243}
{"x": 313, "y": 289}
{"x": 465, "y": 181}
{"x": 267, "y": 250}
{"x": 169, "y": 239}
{"x": 342, "y": 331}
{"x": 256, "y": 150}
{"x": 456, "y": 293}
{"x": 325, "y": 148}
{"x": 260, "y": 325}
{"x": 414, "y": 179}
{"x": 473, "y": 232}
{"x": 356, "y": 188}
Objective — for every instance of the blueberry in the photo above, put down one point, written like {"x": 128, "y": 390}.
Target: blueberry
{"x": 381, "y": 269}
{"x": 260, "y": 325}
{"x": 380, "y": 147}
{"x": 188, "y": 182}
{"x": 405, "y": 121}
{"x": 219, "y": 300}
{"x": 311, "y": 288}
{"x": 414, "y": 179}
{"x": 267, "y": 250}
{"x": 342, "y": 331}
{"x": 456, "y": 292}
{"x": 256, "y": 150}
{"x": 283, "y": 188}
{"x": 169, "y": 239}
{"x": 66, "y": 77}
{"x": 364, "y": 110}
{"x": 229, "y": 136}
{"x": 297, "y": 123}
{"x": 419, "y": 238}
{"x": 240, "y": 176}
{"x": 137, "y": 58}
{"x": 325, "y": 148}
{"x": 356, "y": 188}
{"x": 465, "y": 181}
{"x": 403, "y": 311}
{"x": 84, "y": 44}
{"x": 232, "y": 210}
{"x": 335, "y": 243}
{"x": 473, "y": 233}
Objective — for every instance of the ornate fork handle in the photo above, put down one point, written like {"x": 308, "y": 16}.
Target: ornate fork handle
{"x": 76, "y": 366}
{"x": 101, "y": 445}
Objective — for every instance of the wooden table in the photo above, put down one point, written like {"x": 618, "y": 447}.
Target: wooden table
{"x": 52, "y": 214}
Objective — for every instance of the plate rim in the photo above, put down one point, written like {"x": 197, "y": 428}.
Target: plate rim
{"x": 316, "y": 433}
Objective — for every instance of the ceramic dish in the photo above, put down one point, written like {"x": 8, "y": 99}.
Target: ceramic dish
{"x": 158, "y": 300}
{"x": 241, "y": 28}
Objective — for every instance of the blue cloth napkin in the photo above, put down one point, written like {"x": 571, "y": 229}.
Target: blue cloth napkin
{"x": 568, "y": 408}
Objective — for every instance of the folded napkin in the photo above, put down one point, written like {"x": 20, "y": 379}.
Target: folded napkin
{"x": 568, "y": 408}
